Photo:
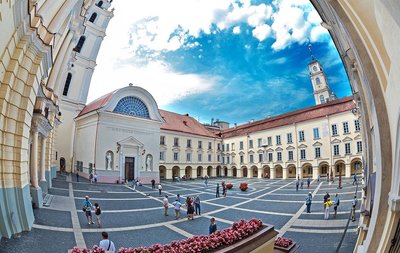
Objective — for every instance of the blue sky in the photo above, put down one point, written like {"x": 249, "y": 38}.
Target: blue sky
{"x": 231, "y": 60}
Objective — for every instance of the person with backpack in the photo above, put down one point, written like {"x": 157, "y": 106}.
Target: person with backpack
{"x": 106, "y": 244}
{"x": 353, "y": 208}
{"x": 336, "y": 203}
{"x": 97, "y": 211}
{"x": 87, "y": 208}
{"x": 308, "y": 202}
{"x": 177, "y": 207}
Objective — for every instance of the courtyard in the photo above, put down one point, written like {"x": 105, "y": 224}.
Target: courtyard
{"x": 134, "y": 217}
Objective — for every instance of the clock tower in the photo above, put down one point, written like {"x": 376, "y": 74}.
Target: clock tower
{"x": 322, "y": 92}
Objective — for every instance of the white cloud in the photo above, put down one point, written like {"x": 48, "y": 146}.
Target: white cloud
{"x": 236, "y": 30}
{"x": 261, "y": 32}
{"x": 158, "y": 78}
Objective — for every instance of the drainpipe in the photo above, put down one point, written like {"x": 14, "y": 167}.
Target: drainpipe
{"x": 95, "y": 140}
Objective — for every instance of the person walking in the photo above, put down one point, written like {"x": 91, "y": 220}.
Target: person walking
{"x": 318, "y": 178}
{"x": 206, "y": 181}
{"x": 87, "y": 207}
{"x": 77, "y": 176}
{"x": 355, "y": 179}
{"x": 197, "y": 205}
{"x": 178, "y": 197}
{"x": 159, "y": 189}
{"x": 95, "y": 178}
{"x": 177, "y": 207}
{"x": 190, "y": 208}
{"x": 353, "y": 208}
{"x": 97, "y": 211}
{"x": 336, "y": 203}
{"x": 213, "y": 227}
{"x": 165, "y": 204}
{"x": 217, "y": 191}
{"x": 308, "y": 182}
{"x": 153, "y": 184}
{"x": 297, "y": 185}
{"x": 91, "y": 178}
{"x": 224, "y": 189}
{"x": 301, "y": 184}
{"x": 327, "y": 205}
{"x": 308, "y": 202}
{"x": 107, "y": 244}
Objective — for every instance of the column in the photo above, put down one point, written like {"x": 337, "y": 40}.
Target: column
{"x": 36, "y": 191}
{"x": 348, "y": 170}
{"x": 299, "y": 173}
{"x": 230, "y": 172}
{"x": 273, "y": 173}
{"x": 213, "y": 172}
{"x": 182, "y": 172}
{"x": 204, "y": 172}
{"x": 285, "y": 173}
{"x": 250, "y": 173}
{"x": 315, "y": 172}
{"x": 239, "y": 172}
{"x": 260, "y": 173}
{"x": 43, "y": 182}
{"x": 168, "y": 173}
{"x": 194, "y": 172}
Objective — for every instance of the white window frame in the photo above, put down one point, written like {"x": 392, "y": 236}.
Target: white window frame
{"x": 316, "y": 133}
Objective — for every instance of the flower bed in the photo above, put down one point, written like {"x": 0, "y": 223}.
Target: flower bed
{"x": 229, "y": 186}
{"x": 217, "y": 240}
{"x": 243, "y": 186}
{"x": 283, "y": 243}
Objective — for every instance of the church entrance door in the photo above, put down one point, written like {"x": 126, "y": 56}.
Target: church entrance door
{"x": 129, "y": 168}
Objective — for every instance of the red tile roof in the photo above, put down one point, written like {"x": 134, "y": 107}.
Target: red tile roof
{"x": 96, "y": 104}
{"x": 309, "y": 113}
{"x": 184, "y": 124}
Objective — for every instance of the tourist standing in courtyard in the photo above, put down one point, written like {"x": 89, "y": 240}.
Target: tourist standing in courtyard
{"x": 197, "y": 205}
{"x": 190, "y": 208}
{"x": 301, "y": 184}
{"x": 308, "y": 202}
{"x": 223, "y": 189}
{"x": 87, "y": 206}
{"x": 213, "y": 226}
{"x": 159, "y": 189}
{"x": 95, "y": 178}
{"x": 97, "y": 211}
{"x": 165, "y": 204}
{"x": 336, "y": 203}
{"x": 91, "y": 177}
{"x": 355, "y": 179}
{"x": 77, "y": 176}
{"x": 107, "y": 244}
{"x": 308, "y": 182}
{"x": 327, "y": 205}
{"x": 153, "y": 184}
{"x": 206, "y": 181}
{"x": 217, "y": 191}
{"x": 326, "y": 197}
{"x": 177, "y": 207}
{"x": 353, "y": 208}
{"x": 297, "y": 185}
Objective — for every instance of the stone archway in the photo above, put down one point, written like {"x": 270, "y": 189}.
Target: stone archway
{"x": 245, "y": 172}
{"x": 234, "y": 171}
{"x": 163, "y": 171}
{"x": 339, "y": 168}
{"x": 307, "y": 170}
{"x": 291, "y": 171}
{"x": 225, "y": 171}
{"x": 218, "y": 171}
{"x": 266, "y": 171}
{"x": 356, "y": 166}
{"x": 254, "y": 171}
{"x": 199, "y": 171}
{"x": 323, "y": 169}
{"x": 176, "y": 172}
{"x": 209, "y": 171}
{"x": 278, "y": 171}
{"x": 188, "y": 172}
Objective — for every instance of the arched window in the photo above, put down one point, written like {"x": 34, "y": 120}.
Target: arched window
{"x": 100, "y": 3}
{"x": 132, "y": 106}
{"x": 318, "y": 80}
{"x": 322, "y": 99}
{"x": 67, "y": 83}
{"x": 93, "y": 17}
{"x": 79, "y": 46}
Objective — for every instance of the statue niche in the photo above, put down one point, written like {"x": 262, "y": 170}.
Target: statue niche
{"x": 109, "y": 160}
{"x": 149, "y": 162}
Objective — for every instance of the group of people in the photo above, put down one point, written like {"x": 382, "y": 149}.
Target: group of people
{"x": 192, "y": 206}
{"x": 327, "y": 204}
{"x": 301, "y": 183}
{"x": 88, "y": 207}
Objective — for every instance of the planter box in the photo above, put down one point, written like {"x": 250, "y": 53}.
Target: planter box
{"x": 259, "y": 242}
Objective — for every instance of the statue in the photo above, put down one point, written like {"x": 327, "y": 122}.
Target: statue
{"x": 149, "y": 161}
{"x": 108, "y": 160}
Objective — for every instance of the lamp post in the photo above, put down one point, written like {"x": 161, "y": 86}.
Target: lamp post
{"x": 340, "y": 178}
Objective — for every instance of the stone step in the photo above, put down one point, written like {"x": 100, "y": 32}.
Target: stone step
{"x": 47, "y": 200}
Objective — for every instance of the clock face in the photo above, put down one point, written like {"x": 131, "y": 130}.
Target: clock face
{"x": 315, "y": 68}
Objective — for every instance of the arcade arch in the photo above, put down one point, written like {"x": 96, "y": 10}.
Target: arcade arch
{"x": 254, "y": 171}
{"x": 176, "y": 172}
{"x": 200, "y": 171}
{"x": 163, "y": 171}
{"x": 234, "y": 171}
{"x": 266, "y": 171}
{"x": 278, "y": 171}
{"x": 307, "y": 170}
{"x": 291, "y": 171}
{"x": 356, "y": 166}
{"x": 188, "y": 172}
{"x": 244, "y": 171}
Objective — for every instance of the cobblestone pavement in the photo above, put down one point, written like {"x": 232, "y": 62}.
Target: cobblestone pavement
{"x": 134, "y": 217}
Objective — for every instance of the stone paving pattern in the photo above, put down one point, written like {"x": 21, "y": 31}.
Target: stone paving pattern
{"x": 134, "y": 217}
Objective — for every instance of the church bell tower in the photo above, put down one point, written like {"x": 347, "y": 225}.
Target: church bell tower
{"x": 322, "y": 92}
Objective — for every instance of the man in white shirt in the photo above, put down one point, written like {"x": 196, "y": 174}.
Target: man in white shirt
{"x": 159, "y": 189}
{"x": 106, "y": 244}
{"x": 165, "y": 204}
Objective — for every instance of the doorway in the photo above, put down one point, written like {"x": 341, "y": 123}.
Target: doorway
{"x": 129, "y": 168}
